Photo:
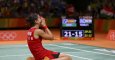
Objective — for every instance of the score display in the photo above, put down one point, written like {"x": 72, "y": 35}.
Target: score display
{"x": 73, "y": 33}
{"x": 81, "y": 28}
{"x": 77, "y": 33}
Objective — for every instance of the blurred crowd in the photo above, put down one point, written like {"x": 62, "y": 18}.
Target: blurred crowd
{"x": 102, "y": 8}
{"x": 21, "y": 8}
{"x": 54, "y": 8}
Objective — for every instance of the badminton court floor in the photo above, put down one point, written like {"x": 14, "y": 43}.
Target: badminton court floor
{"x": 76, "y": 51}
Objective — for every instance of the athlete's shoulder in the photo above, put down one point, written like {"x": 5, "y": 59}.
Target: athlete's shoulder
{"x": 39, "y": 31}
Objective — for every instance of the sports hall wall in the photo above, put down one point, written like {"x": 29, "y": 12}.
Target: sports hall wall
{"x": 21, "y": 22}
{"x": 100, "y": 25}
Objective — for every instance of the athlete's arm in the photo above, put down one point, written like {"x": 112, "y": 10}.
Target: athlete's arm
{"x": 45, "y": 35}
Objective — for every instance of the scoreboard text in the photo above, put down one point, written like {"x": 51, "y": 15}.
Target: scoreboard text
{"x": 81, "y": 28}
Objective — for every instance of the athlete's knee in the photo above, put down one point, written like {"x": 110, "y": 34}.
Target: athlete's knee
{"x": 30, "y": 58}
{"x": 68, "y": 57}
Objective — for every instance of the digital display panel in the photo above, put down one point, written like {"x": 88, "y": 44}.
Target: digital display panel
{"x": 85, "y": 20}
{"x": 81, "y": 28}
{"x": 69, "y": 23}
{"x": 73, "y": 33}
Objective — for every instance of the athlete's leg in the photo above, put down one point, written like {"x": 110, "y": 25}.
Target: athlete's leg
{"x": 46, "y": 58}
{"x": 63, "y": 57}
{"x": 30, "y": 58}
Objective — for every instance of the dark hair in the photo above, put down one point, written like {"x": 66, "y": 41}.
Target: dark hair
{"x": 31, "y": 18}
{"x": 69, "y": 6}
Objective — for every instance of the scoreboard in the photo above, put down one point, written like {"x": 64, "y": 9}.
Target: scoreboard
{"x": 77, "y": 29}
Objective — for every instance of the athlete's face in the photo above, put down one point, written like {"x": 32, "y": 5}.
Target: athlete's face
{"x": 38, "y": 21}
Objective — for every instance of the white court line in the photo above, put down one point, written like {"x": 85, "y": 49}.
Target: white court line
{"x": 27, "y": 54}
{"x": 12, "y": 46}
{"x": 14, "y": 55}
{"x": 31, "y": 55}
{"x": 79, "y": 57}
{"x": 70, "y": 52}
{"x": 81, "y": 50}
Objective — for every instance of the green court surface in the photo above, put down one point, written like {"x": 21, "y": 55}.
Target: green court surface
{"x": 76, "y": 51}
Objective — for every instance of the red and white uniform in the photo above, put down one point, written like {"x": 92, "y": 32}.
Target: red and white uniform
{"x": 36, "y": 47}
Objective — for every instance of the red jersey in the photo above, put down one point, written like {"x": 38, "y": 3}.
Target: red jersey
{"x": 36, "y": 47}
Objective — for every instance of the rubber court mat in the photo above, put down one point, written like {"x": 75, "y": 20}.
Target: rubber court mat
{"x": 76, "y": 51}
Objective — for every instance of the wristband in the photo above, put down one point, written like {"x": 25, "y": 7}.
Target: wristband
{"x": 45, "y": 27}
